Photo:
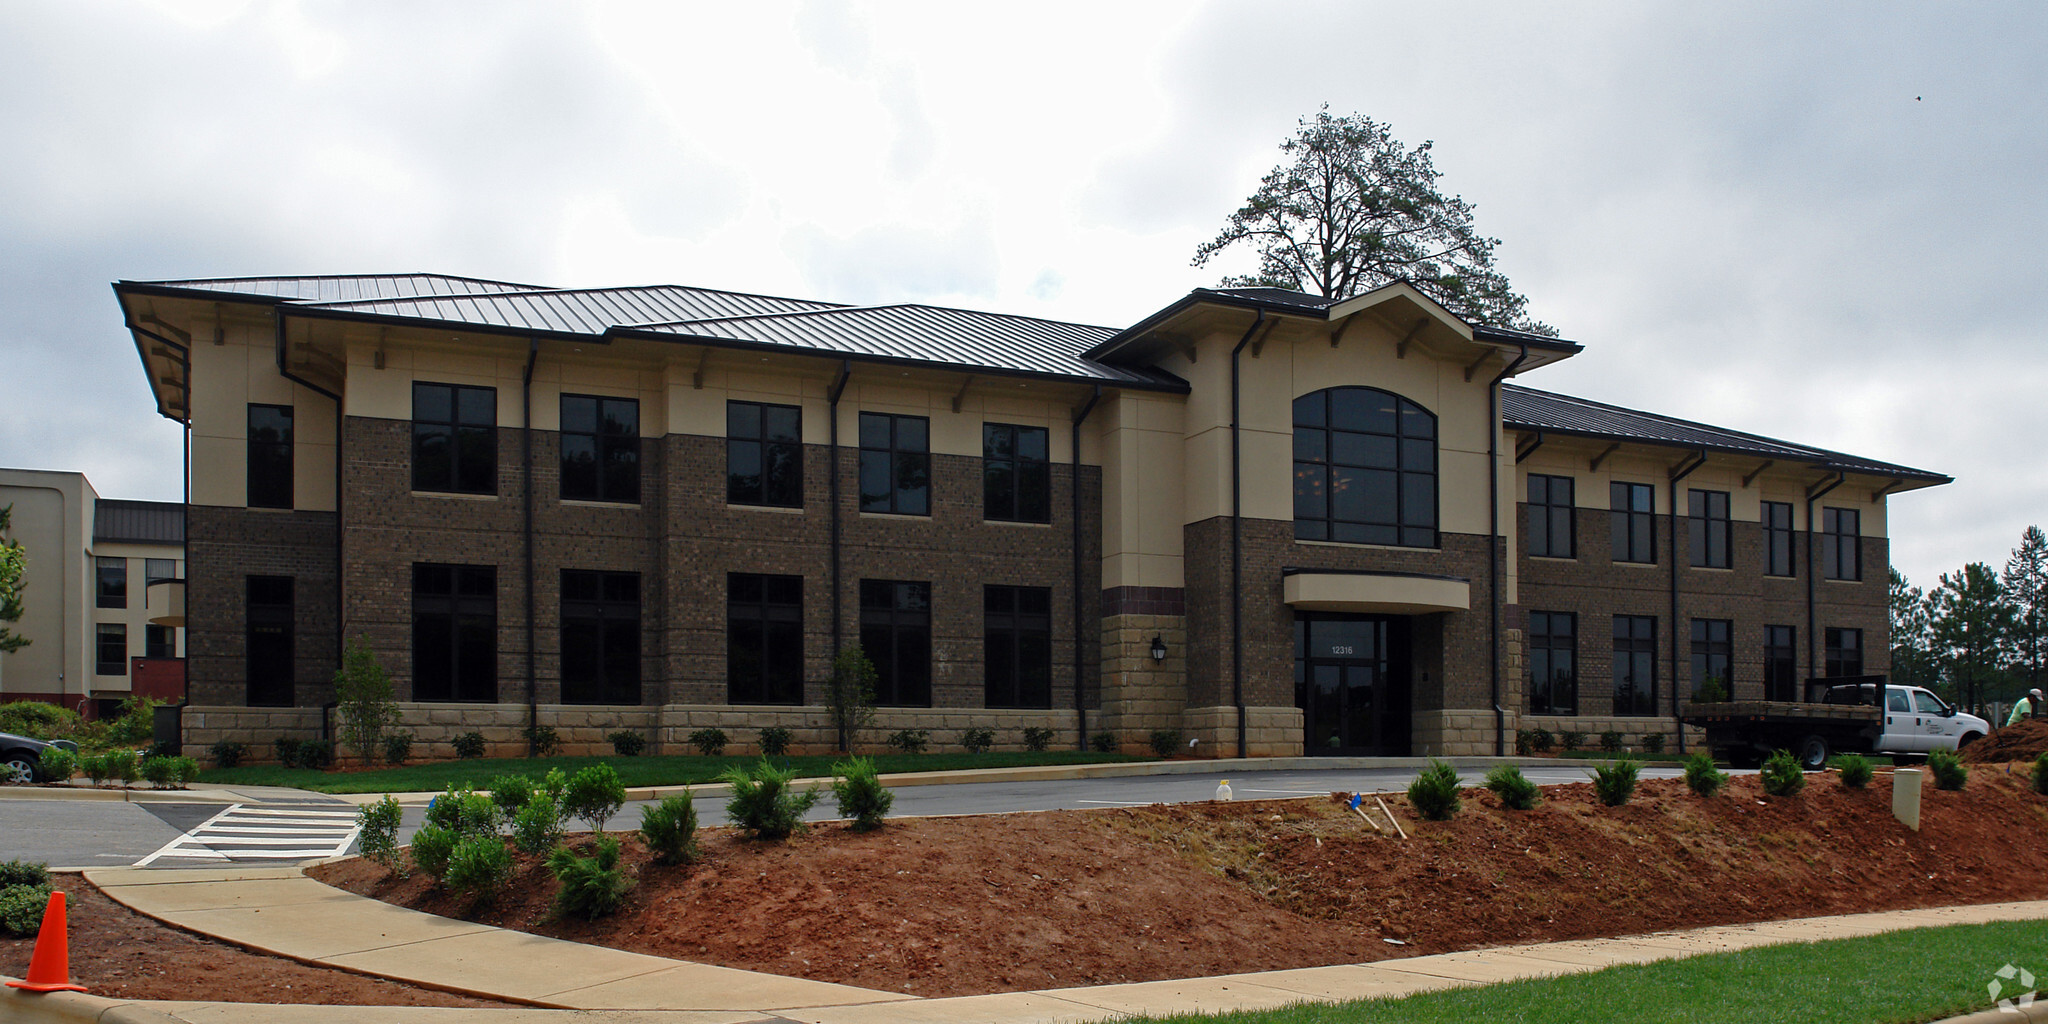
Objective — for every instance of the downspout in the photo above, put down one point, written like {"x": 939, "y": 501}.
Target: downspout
{"x": 1494, "y": 554}
{"x": 1812, "y": 665}
{"x": 340, "y": 605}
{"x": 832, "y": 484}
{"x": 1080, "y": 701}
{"x": 284, "y": 370}
{"x": 1237, "y": 541}
{"x": 526, "y": 476}
{"x": 1684, "y": 470}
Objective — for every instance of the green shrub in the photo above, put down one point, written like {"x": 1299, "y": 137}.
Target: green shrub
{"x": 398, "y": 748}
{"x": 1782, "y": 775}
{"x": 511, "y": 792}
{"x": 762, "y": 802}
{"x": 2041, "y": 773}
{"x": 23, "y": 872}
{"x": 468, "y": 745}
{"x": 543, "y": 738}
{"x": 123, "y": 765}
{"x": 227, "y": 753}
{"x": 184, "y": 770}
{"x": 775, "y": 741}
{"x": 1571, "y": 739}
{"x": 1101, "y": 743}
{"x": 1855, "y": 769}
{"x": 1037, "y": 738}
{"x": 1513, "y": 788}
{"x": 1434, "y": 793}
{"x": 1702, "y": 777}
{"x": 593, "y": 886}
{"x": 287, "y": 748}
{"x": 1653, "y": 742}
{"x": 627, "y": 743}
{"x": 910, "y": 741}
{"x": 595, "y": 794}
{"x": 1947, "y": 769}
{"x": 21, "y": 909}
{"x": 161, "y": 771}
{"x": 39, "y": 720}
{"x": 538, "y": 825}
{"x": 297, "y": 753}
{"x": 136, "y": 722}
{"x": 1525, "y": 742}
{"x": 862, "y": 796}
{"x": 95, "y": 768}
{"x": 709, "y": 742}
{"x": 464, "y": 812}
{"x": 1615, "y": 782}
{"x": 377, "y": 826}
{"x": 1165, "y": 742}
{"x": 1543, "y": 740}
{"x": 431, "y": 847}
{"x": 977, "y": 741}
{"x": 669, "y": 828}
{"x": 1610, "y": 741}
{"x": 555, "y": 784}
{"x": 57, "y": 764}
{"x": 479, "y": 867}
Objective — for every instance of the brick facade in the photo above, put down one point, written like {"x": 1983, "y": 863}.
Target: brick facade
{"x": 225, "y": 546}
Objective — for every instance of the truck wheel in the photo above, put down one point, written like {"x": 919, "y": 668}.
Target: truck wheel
{"x": 1813, "y": 753}
{"x": 1968, "y": 738}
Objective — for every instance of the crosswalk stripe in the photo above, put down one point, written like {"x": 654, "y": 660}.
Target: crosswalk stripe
{"x": 254, "y": 833}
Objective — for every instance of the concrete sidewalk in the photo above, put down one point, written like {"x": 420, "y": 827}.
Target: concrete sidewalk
{"x": 279, "y": 910}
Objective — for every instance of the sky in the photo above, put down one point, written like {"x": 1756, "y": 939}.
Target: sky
{"x": 1819, "y": 222}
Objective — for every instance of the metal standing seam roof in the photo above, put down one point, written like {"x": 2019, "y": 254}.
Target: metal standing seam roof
{"x": 590, "y": 311}
{"x": 138, "y": 522}
{"x": 343, "y": 288}
{"x": 1529, "y": 409}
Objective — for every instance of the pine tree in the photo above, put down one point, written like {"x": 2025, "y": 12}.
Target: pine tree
{"x": 1971, "y": 622}
{"x": 2026, "y": 586}
{"x": 1913, "y": 657}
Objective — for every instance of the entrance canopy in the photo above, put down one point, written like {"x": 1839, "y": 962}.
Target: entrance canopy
{"x": 1384, "y": 593}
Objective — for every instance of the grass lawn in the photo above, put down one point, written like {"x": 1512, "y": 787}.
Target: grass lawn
{"x": 1900, "y": 978}
{"x": 637, "y": 771}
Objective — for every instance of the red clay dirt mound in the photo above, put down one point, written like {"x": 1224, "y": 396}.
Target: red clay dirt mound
{"x": 953, "y": 906}
{"x": 2021, "y": 741}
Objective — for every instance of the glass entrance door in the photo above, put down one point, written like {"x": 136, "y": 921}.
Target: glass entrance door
{"x": 1350, "y": 680}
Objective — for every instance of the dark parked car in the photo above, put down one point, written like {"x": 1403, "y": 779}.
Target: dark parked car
{"x": 20, "y": 754}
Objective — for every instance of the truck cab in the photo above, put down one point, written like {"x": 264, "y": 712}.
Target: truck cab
{"x": 1916, "y": 721}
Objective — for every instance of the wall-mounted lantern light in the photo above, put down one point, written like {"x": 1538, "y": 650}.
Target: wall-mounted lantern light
{"x": 1158, "y": 650}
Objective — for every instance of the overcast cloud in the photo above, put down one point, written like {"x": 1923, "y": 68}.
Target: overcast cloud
{"x": 1823, "y": 223}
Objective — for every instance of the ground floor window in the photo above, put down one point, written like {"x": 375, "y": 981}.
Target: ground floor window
{"x": 1017, "y": 646}
{"x": 1635, "y": 665}
{"x": 600, "y": 637}
{"x": 1553, "y": 663}
{"x": 1844, "y": 652}
{"x": 896, "y": 634}
{"x": 111, "y": 650}
{"x": 1781, "y": 663}
{"x": 1712, "y": 654}
{"x": 455, "y": 632}
{"x": 268, "y": 655}
{"x": 764, "y": 646}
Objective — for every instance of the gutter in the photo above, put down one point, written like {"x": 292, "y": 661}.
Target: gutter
{"x": 1080, "y": 696}
{"x": 832, "y": 472}
{"x": 526, "y": 486}
{"x": 1683, "y": 470}
{"x": 1237, "y": 539}
{"x": 1494, "y": 555}
{"x": 1813, "y": 495}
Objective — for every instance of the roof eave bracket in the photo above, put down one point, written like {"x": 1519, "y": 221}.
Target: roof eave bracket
{"x": 1594, "y": 465}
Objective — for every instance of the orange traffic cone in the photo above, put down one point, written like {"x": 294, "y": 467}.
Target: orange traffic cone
{"x": 49, "y": 967}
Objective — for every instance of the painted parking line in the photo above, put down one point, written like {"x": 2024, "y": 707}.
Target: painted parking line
{"x": 262, "y": 833}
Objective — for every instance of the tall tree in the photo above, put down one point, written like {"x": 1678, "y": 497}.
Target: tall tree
{"x": 2026, "y": 586}
{"x": 1913, "y": 657}
{"x": 1354, "y": 209}
{"x": 1971, "y": 622}
{"x": 13, "y": 566}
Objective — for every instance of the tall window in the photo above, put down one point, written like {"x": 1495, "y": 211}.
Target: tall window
{"x": 601, "y": 449}
{"x": 1635, "y": 665}
{"x": 1016, "y": 478}
{"x": 455, "y": 632}
{"x": 454, "y": 438}
{"x": 1707, "y": 518}
{"x": 600, "y": 637}
{"x": 110, "y": 656}
{"x": 1364, "y": 468}
{"x": 764, "y": 652}
{"x": 896, "y": 634}
{"x": 1844, "y": 652}
{"x": 1841, "y": 552}
{"x": 895, "y": 464}
{"x": 1634, "y": 527}
{"x": 267, "y": 658}
{"x": 764, "y": 454}
{"x": 270, "y": 456}
{"x": 1553, "y": 663}
{"x": 1781, "y": 663}
{"x": 1017, "y": 646}
{"x": 1551, "y": 516}
{"x": 1712, "y": 654}
{"x": 110, "y": 576}
{"x": 1777, "y": 516}
{"x": 159, "y": 642}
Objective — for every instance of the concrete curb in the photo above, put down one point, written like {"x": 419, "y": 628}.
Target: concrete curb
{"x": 133, "y": 796}
{"x": 19, "y": 1007}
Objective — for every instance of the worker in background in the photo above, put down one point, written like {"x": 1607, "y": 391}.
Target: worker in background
{"x": 2026, "y": 707}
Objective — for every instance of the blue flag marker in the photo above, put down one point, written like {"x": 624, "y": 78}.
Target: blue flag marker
{"x": 1355, "y": 798}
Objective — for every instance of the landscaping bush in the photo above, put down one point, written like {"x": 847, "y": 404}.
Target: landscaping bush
{"x": 431, "y": 847}
{"x": 123, "y": 765}
{"x": 627, "y": 743}
{"x": 185, "y": 770}
{"x": 479, "y": 867}
{"x": 398, "y": 748}
{"x": 1702, "y": 777}
{"x": 468, "y": 745}
{"x": 23, "y": 872}
{"x": 1654, "y": 742}
{"x": 1855, "y": 769}
{"x": 1947, "y": 769}
{"x": 511, "y": 792}
{"x": 1525, "y": 742}
{"x": 1610, "y": 741}
{"x": 555, "y": 784}
{"x": 977, "y": 741}
{"x": 1165, "y": 742}
{"x": 709, "y": 742}
{"x": 378, "y": 830}
{"x": 39, "y": 720}
{"x": 96, "y": 768}
{"x": 775, "y": 741}
{"x": 161, "y": 771}
{"x": 1101, "y": 743}
{"x": 227, "y": 753}
{"x": 1037, "y": 738}
{"x": 297, "y": 753}
{"x": 762, "y": 802}
{"x": 1543, "y": 739}
{"x": 1571, "y": 740}
{"x": 57, "y": 764}
{"x": 538, "y": 825}
{"x": 592, "y": 886}
{"x": 2041, "y": 773}
{"x": 136, "y": 722}
{"x": 21, "y": 909}
{"x": 595, "y": 794}
{"x": 1434, "y": 793}
{"x": 1782, "y": 775}
{"x": 1513, "y": 788}
{"x": 669, "y": 829}
{"x": 862, "y": 796}
{"x": 364, "y": 701}
{"x": 544, "y": 740}
{"x": 909, "y": 741}
{"x": 464, "y": 812}
{"x": 1615, "y": 782}
{"x": 287, "y": 748}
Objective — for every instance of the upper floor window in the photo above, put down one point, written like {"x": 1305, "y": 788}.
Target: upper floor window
{"x": 454, "y": 438}
{"x": 1841, "y": 550}
{"x": 154, "y": 569}
{"x": 270, "y": 456}
{"x": 110, "y": 649}
{"x": 764, "y": 454}
{"x": 1777, "y": 516}
{"x": 601, "y": 449}
{"x": 1364, "y": 468}
{"x": 1016, "y": 478}
{"x": 895, "y": 464}
{"x": 1551, "y": 518}
{"x": 1633, "y": 524}
{"x": 159, "y": 642}
{"x": 1707, "y": 518}
{"x": 111, "y": 581}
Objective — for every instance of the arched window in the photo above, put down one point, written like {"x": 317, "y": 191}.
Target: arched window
{"x": 1364, "y": 468}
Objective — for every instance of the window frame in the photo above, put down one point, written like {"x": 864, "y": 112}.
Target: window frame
{"x": 1781, "y": 663}
{"x": 1779, "y": 549}
{"x": 1839, "y": 560}
{"x": 468, "y": 603}
{"x": 1546, "y": 644}
{"x": 1708, "y": 529}
{"x": 893, "y": 622}
{"x": 1544, "y": 528}
{"x": 157, "y": 639}
{"x": 1026, "y": 474}
{"x": 770, "y": 489}
{"x": 1837, "y": 656}
{"x": 1713, "y": 646}
{"x": 894, "y": 459}
{"x": 110, "y": 581}
{"x": 617, "y": 603}
{"x": 614, "y": 471}
{"x": 477, "y": 438}
{"x": 1016, "y": 639}
{"x": 778, "y": 644}
{"x": 269, "y": 608}
{"x": 1317, "y": 440}
{"x": 1641, "y": 652}
{"x": 274, "y": 485}
{"x": 1630, "y": 528}
{"x": 110, "y": 637}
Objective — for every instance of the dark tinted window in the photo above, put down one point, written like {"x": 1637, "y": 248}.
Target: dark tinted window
{"x": 270, "y": 642}
{"x": 110, "y": 576}
{"x": 764, "y": 659}
{"x": 1632, "y": 522}
{"x": 1552, "y": 518}
{"x": 1707, "y": 522}
{"x": 1781, "y": 664}
{"x": 764, "y": 454}
{"x": 1635, "y": 665}
{"x": 600, "y": 637}
{"x": 1553, "y": 663}
{"x": 895, "y": 464}
{"x": 1841, "y": 552}
{"x": 600, "y": 449}
{"x": 159, "y": 642}
{"x": 896, "y": 634}
{"x": 1364, "y": 468}
{"x": 270, "y": 456}
{"x": 1017, "y": 646}
{"x": 454, "y": 438}
{"x": 455, "y": 632}
{"x": 110, "y": 655}
{"x": 1777, "y": 517}
{"x": 1016, "y": 478}
{"x": 1712, "y": 655}
{"x": 1844, "y": 652}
